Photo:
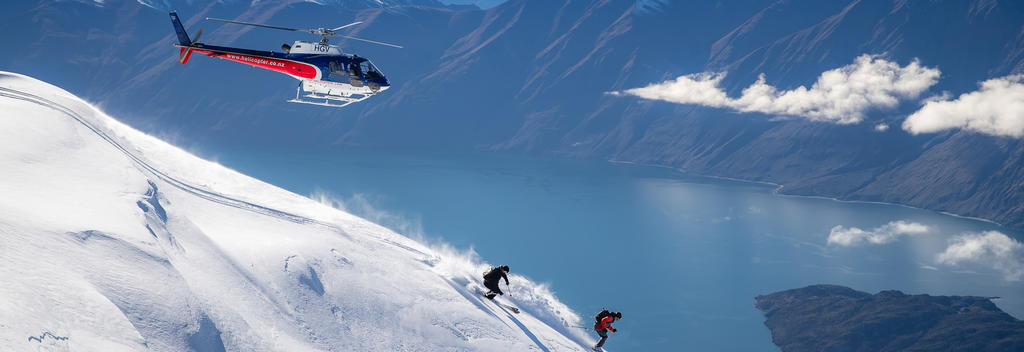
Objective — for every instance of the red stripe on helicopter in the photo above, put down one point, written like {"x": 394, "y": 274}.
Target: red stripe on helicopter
{"x": 294, "y": 68}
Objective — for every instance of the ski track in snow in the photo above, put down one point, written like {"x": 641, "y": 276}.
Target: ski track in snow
{"x": 197, "y": 191}
{"x": 564, "y": 338}
{"x": 46, "y": 334}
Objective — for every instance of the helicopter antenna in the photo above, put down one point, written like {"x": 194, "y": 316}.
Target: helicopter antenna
{"x": 322, "y": 32}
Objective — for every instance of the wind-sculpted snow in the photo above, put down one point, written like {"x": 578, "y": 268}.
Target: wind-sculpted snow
{"x": 112, "y": 240}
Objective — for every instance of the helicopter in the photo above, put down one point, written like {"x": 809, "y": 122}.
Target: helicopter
{"x": 327, "y": 76}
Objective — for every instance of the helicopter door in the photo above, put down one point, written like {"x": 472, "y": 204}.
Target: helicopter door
{"x": 354, "y": 71}
{"x": 355, "y": 75}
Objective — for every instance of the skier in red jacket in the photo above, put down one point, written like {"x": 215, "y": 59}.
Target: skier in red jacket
{"x": 603, "y": 325}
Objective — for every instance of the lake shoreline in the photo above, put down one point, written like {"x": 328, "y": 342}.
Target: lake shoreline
{"x": 779, "y": 192}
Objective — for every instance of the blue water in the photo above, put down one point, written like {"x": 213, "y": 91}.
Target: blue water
{"x": 681, "y": 256}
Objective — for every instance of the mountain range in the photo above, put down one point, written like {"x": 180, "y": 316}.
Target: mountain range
{"x": 538, "y": 76}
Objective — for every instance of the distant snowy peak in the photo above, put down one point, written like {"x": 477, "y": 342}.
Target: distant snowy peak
{"x": 164, "y": 5}
{"x": 483, "y": 4}
{"x": 168, "y": 5}
{"x": 91, "y": 2}
{"x": 651, "y": 6}
{"x": 374, "y": 3}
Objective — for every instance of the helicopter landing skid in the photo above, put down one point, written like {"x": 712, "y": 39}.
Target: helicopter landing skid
{"x": 330, "y": 100}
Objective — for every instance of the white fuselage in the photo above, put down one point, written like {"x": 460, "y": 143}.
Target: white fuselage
{"x": 336, "y": 88}
{"x": 301, "y": 47}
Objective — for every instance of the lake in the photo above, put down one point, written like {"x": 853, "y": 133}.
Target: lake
{"x": 682, "y": 256}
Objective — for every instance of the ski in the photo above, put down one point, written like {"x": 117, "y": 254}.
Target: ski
{"x": 513, "y": 309}
{"x": 506, "y": 306}
{"x": 491, "y": 298}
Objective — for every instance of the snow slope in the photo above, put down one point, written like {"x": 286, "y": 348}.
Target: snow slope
{"x": 112, "y": 240}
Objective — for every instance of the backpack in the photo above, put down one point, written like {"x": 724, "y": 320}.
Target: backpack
{"x": 599, "y": 316}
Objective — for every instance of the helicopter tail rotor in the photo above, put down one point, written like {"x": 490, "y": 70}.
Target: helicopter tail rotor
{"x": 186, "y": 53}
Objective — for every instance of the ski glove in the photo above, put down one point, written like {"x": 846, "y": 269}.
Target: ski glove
{"x": 611, "y": 329}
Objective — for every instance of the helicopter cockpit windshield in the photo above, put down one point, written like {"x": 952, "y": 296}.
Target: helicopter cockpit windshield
{"x": 369, "y": 71}
{"x": 356, "y": 68}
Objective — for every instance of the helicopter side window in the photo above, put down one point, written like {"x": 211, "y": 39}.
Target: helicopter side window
{"x": 337, "y": 68}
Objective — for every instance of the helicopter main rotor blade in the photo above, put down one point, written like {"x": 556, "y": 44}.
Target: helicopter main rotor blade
{"x": 347, "y": 25}
{"x": 258, "y": 25}
{"x": 369, "y": 41}
{"x": 318, "y": 31}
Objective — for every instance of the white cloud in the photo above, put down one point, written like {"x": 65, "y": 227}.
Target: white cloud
{"x": 881, "y": 127}
{"x": 880, "y": 235}
{"x": 697, "y": 88}
{"x": 991, "y": 248}
{"x": 842, "y": 95}
{"x": 997, "y": 108}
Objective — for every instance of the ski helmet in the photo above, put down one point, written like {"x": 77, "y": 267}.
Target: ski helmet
{"x": 504, "y": 268}
{"x": 618, "y": 315}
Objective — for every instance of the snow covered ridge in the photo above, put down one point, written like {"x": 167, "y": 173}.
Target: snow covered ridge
{"x": 112, "y": 240}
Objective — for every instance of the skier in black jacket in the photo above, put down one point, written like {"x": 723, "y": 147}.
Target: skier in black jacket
{"x": 491, "y": 279}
